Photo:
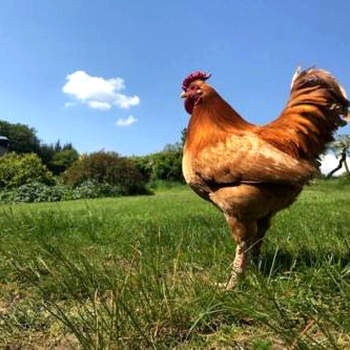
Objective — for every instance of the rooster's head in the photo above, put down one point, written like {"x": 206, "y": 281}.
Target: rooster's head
{"x": 194, "y": 89}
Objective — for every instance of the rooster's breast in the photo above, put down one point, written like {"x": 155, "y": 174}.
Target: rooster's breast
{"x": 192, "y": 176}
{"x": 187, "y": 169}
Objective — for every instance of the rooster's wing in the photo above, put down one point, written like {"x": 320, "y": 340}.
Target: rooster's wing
{"x": 249, "y": 159}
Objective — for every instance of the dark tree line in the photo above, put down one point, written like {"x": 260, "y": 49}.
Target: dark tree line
{"x": 23, "y": 139}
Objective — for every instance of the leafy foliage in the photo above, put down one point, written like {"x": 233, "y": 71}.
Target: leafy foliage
{"x": 166, "y": 165}
{"x": 17, "y": 170}
{"x": 107, "y": 168}
{"x": 36, "y": 192}
{"x": 22, "y": 138}
{"x": 93, "y": 189}
{"x": 62, "y": 160}
{"x": 39, "y": 192}
{"x": 58, "y": 158}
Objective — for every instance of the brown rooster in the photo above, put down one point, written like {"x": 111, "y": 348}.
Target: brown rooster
{"x": 251, "y": 172}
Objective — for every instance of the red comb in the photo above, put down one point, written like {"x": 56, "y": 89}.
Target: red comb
{"x": 195, "y": 76}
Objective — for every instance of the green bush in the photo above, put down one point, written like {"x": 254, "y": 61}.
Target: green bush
{"x": 7, "y": 196}
{"x": 62, "y": 160}
{"x": 34, "y": 192}
{"x": 107, "y": 169}
{"x": 58, "y": 157}
{"x": 39, "y": 192}
{"x": 17, "y": 170}
{"x": 166, "y": 165}
{"x": 144, "y": 164}
{"x": 87, "y": 189}
{"x": 92, "y": 189}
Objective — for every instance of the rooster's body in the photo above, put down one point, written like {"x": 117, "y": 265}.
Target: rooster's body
{"x": 251, "y": 172}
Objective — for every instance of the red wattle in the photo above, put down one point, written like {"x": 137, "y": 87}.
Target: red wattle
{"x": 189, "y": 104}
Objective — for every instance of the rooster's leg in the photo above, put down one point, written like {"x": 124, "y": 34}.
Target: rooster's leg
{"x": 243, "y": 233}
{"x": 238, "y": 265}
{"x": 262, "y": 226}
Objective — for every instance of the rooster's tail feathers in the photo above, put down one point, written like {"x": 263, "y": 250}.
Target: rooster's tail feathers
{"x": 295, "y": 76}
{"x": 307, "y": 81}
{"x": 318, "y": 105}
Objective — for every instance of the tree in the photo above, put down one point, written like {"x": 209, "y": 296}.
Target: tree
{"x": 19, "y": 169}
{"x": 56, "y": 157}
{"x": 22, "y": 138}
{"x": 106, "y": 168}
{"x": 173, "y": 147}
{"x": 46, "y": 153}
{"x": 341, "y": 149}
{"x": 62, "y": 160}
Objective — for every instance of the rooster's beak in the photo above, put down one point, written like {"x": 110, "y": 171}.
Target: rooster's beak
{"x": 183, "y": 94}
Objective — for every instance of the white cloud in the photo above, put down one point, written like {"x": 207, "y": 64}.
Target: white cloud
{"x": 103, "y": 106}
{"x": 126, "y": 101}
{"x": 126, "y": 121}
{"x": 97, "y": 92}
{"x": 330, "y": 162}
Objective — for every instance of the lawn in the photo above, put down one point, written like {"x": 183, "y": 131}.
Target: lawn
{"x": 141, "y": 272}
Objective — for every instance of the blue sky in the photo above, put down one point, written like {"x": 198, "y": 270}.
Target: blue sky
{"x": 107, "y": 74}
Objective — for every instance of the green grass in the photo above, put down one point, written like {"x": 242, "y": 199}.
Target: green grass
{"x": 140, "y": 272}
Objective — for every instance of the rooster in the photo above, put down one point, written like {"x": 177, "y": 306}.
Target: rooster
{"x": 250, "y": 172}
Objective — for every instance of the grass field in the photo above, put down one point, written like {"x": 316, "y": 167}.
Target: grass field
{"x": 140, "y": 272}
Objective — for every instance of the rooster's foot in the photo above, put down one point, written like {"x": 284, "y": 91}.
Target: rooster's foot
{"x": 238, "y": 266}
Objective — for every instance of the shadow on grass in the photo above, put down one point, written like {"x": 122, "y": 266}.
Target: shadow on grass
{"x": 282, "y": 260}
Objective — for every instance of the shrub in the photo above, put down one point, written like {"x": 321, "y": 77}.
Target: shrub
{"x": 17, "y": 170}
{"x": 39, "y": 192}
{"x": 87, "y": 189}
{"x": 144, "y": 164}
{"x": 92, "y": 189}
{"x": 166, "y": 165}
{"x": 56, "y": 157}
{"x": 107, "y": 168}
{"x": 62, "y": 160}
{"x": 32, "y": 192}
{"x": 7, "y": 196}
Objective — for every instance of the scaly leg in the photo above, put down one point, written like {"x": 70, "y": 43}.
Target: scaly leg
{"x": 238, "y": 265}
{"x": 242, "y": 232}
